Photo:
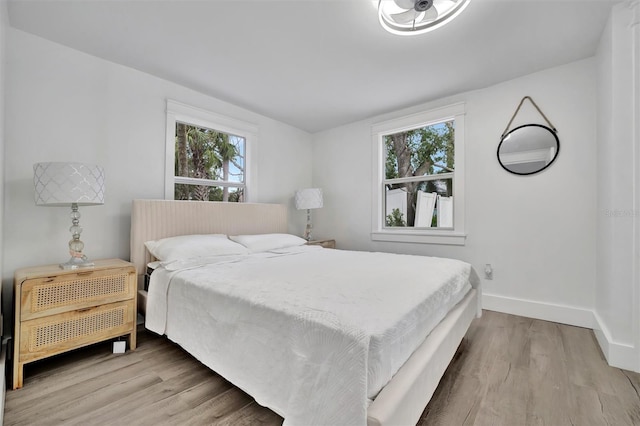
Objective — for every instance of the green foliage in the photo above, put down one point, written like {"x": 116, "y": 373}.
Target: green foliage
{"x": 207, "y": 155}
{"x": 214, "y": 193}
{"x": 395, "y": 218}
{"x": 391, "y": 164}
{"x": 432, "y": 145}
{"x": 423, "y": 151}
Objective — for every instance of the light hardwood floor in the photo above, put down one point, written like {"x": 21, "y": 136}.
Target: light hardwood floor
{"x": 508, "y": 371}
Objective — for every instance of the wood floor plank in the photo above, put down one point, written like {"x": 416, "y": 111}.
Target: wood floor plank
{"x": 509, "y": 370}
{"x": 140, "y": 408}
{"x": 216, "y": 409}
{"x": 78, "y": 402}
{"x": 97, "y": 362}
{"x": 556, "y": 372}
{"x": 189, "y": 396}
{"x": 549, "y": 392}
{"x": 465, "y": 391}
{"x": 249, "y": 415}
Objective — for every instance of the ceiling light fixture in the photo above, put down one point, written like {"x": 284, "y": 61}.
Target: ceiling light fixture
{"x": 411, "y": 17}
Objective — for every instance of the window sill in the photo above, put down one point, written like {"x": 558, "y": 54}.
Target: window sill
{"x": 423, "y": 237}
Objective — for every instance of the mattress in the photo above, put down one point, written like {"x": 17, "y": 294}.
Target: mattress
{"x": 312, "y": 333}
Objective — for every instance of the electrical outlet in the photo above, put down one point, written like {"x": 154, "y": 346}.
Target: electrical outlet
{"x": 119, "y": 347}
{"x": 488, "y": 271}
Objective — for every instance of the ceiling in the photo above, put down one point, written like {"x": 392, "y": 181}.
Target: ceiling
{"x": 318, "y": 64}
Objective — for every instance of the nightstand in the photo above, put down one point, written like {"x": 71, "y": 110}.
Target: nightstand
{"x": 58, "y": 310}
{"x": 324, "y": 243}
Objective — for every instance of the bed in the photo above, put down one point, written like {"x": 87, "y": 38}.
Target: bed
{"x": 318, "y": 366}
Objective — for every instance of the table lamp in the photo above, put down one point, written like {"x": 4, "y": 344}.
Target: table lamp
{"x": 59, "y": 184}
{"x": 310, "y": 198}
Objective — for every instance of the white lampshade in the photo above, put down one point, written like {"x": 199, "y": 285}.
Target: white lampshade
{"x": 62, "y": 184}
{"x": 310, "y": 198}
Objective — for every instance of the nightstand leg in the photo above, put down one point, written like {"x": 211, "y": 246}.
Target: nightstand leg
{"x": 18, "y": 369}
{"x": 132, "y": 339}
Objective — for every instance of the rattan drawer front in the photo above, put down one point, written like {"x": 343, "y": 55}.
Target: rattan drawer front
{"x": 46, "y": 296}
{"x": 55, "y": 334}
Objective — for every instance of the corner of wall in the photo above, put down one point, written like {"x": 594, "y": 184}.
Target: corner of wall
{"x": 617, "y": 306}
{"x": 619, "y": 355}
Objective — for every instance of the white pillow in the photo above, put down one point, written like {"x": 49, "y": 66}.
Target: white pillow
{"x": 190, "y": 246}
{"x": 266, "y": 242}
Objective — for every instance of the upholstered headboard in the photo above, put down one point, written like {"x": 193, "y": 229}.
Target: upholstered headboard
{"x": 155, "y": 219}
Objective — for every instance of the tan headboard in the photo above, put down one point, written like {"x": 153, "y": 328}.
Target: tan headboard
{"x": 154, "y": 219}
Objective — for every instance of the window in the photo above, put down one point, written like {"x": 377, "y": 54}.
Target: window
{"x": 418, "y": 192}
{"x": 207, "y": 157}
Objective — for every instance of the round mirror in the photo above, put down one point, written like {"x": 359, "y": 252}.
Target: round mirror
{"x": 528, "y": 149}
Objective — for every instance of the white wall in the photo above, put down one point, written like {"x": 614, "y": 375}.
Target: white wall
{"x": 617, "y": 283}
{"x": 4, "y": 25}
{"x": 64, "y": 105}
{"x": 537, "y": 231}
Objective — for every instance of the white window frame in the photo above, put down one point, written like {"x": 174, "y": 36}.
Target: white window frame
{"x": 379, "y": 232}
{"x": 179, "y": 112}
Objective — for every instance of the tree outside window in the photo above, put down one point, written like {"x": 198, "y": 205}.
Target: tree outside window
{"x": 419, "y": 160}
{"x": 208, "y": 156}
{"x": 419, "y": 177}
{"x": 209, "y": 164}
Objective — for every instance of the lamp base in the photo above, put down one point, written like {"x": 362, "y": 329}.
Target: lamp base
{"x": 307, "y": 231}
{"x": 77, "y": 260}
{"x": 77, "y": 263}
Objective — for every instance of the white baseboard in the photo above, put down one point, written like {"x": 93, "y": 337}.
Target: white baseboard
{"x": 620, "y": 355}
{"x": 564, "y": 314}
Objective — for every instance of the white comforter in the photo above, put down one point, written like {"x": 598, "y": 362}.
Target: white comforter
{"x": 314, "y": 334}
